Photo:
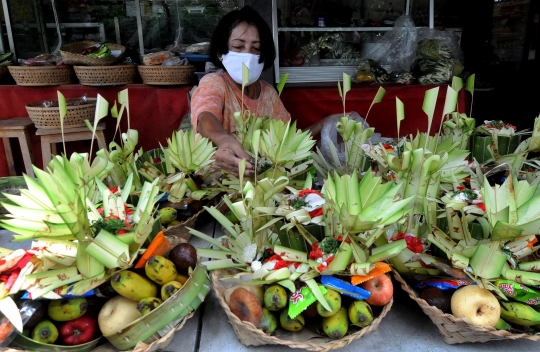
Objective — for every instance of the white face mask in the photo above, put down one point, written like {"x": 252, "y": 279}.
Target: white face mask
{"x": 233, "y": 63}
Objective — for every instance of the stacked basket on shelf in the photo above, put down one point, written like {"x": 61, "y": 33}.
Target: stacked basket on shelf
{"x": 41, "y": 75}
{"x": 156, "y": 71}
{"x": 46, "y": 114}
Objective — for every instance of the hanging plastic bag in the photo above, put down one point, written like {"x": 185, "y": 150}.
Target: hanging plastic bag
{"x": 397, "y": 47}
{"x": 329, "y": 135}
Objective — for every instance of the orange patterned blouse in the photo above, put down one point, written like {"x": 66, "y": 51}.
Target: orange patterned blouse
{"x": 218, "y": 93}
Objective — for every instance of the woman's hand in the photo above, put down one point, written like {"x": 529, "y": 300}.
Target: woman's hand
{"x": 230, "y": 151}
{"x": 229, "y": 154}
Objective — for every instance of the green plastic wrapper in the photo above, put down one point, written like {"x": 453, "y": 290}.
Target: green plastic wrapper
{"x": 519, "y": 292}
{"x": 301, "y": 299}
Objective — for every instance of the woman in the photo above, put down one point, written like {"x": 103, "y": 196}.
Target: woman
{"x": 241, "y": 36}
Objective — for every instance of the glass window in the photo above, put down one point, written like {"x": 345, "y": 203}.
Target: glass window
{"x": 164, "y": 23}
{"x": 182, "y": 22}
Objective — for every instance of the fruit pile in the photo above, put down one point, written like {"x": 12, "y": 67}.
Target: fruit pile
{"x": 518, "y": 311}
{"x": 63, "y": 322}
{"x": 127, "y": 296}
{"x": 272, "y": 307}
{"x": 142, "y": 292}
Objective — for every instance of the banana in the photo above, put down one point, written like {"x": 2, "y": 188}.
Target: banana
{"x": 289, "y": 324}
{"x": 275, "y": 298}
{"x": 45, "y": 332}
{"x": 269, "y": 322}
{"x": 360, "y": 313}
{"x": 333, "y": 298}
{"x": 133, "y": 286}
{"x": 336, "y": 326}
{"x": 169, "y": 289}
{"x": 167, "y": 215}
{"x": 67, "y": 309}
{"x": 160, "y": 269}
{"x": 502, "y": 325}
{"x": 519, "y": 313}
{"x": 146, "y": 305}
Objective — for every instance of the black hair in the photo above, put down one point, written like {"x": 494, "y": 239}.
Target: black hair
{"x": 220, "y": 37}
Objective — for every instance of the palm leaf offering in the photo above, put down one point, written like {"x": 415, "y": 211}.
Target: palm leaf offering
{"x": 423, "y": 205}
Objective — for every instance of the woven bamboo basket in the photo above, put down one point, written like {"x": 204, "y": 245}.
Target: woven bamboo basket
{"x": 41, "y": 75}
{"x": 105, "y": 75}
{"x": 167, "y": 75}
{"x": 71, "y": 54}
{"x": 460, "y": 330}
{"x": 49, "y": 118}
{"x": 249, "y": 335}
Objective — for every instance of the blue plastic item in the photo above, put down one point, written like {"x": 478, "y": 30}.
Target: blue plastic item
{"x": 195, "y": 57}
{"x": 345, "y": 288}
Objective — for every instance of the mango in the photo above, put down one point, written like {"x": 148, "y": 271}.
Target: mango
{"x": 289, "y": 324}
{"x": 336, "y": 326}
{"x": 334, "y": 301}
{"x": 275, "y": 298}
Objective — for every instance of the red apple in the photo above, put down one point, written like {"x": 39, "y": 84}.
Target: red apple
{"x": 381, "y": 289}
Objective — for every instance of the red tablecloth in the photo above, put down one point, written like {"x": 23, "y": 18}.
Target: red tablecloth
{"x": 157, "y": 111}
{"x": 308, "y": 105}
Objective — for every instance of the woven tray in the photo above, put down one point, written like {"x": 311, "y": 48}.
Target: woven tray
{"x": 460, "y": 330}
{"x": 49, "y": 118}
{"x": 249, "y": 335}
{"x": 167, "y": 75}
{"x": 41, "y": 75}
{"x": 106, "y": 75}
{"x": 71, "y": 54}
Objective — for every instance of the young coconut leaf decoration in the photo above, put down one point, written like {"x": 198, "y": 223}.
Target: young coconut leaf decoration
{"x": 57, "y": 206}
{"x": 189, "y": 153}
{"x": 252, "y": 233}
{"x": 364, "y": 206}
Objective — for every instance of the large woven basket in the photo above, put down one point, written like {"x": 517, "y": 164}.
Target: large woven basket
{"x": 71, "y": 54}
{"x": 249, "y": 335}
{"x": 460, "y": 330}
{"x": 167, "y": 75}
{"x": 49, "y": 118}
{"x": 106, "y": 75}
{"x": 41, "y": 75}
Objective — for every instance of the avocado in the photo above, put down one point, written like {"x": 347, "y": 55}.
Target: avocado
{"x": 183, "y": 255}
{"x": 437, "y": 298}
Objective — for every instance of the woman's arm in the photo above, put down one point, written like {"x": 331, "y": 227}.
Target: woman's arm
{"x": 230, "y": 151}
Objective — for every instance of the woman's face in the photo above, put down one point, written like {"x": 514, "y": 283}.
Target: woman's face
{"x": 245, "y": 39}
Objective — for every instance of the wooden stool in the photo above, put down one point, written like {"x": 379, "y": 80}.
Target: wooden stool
{"x": 49, "y": 138}
{"x": 18, "y": 128}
